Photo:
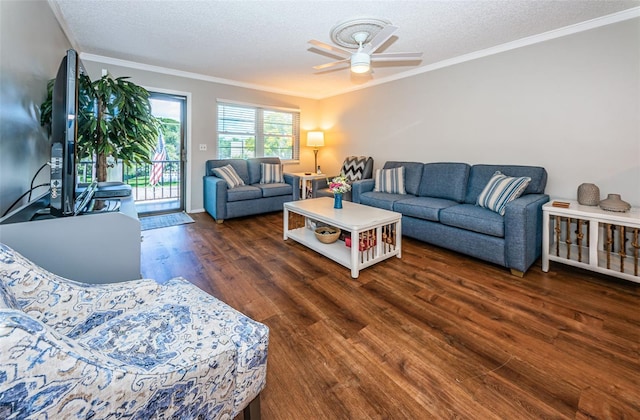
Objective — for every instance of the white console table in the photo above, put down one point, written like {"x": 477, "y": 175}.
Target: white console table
{"x": 90, "y": 248}
{"x": 591, "y": 238}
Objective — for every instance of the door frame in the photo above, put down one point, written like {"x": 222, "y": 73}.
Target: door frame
{"x": 186, "y": 178}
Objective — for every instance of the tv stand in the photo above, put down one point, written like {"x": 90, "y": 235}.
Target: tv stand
{"x": 100, "y": 247}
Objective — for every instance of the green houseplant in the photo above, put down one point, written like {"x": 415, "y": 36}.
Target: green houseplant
{"x": 114, "y": 120}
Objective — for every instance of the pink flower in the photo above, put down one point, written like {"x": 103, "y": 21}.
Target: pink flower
{"x": 339, "y": 184}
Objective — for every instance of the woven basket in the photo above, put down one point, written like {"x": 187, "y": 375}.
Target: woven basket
{"x": 327, "y": 234}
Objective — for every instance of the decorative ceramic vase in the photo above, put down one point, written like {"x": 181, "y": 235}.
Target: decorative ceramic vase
{"x": 588, "y": 194}
{"x": 613, "y": 202}
{"x": 337, "y": 200}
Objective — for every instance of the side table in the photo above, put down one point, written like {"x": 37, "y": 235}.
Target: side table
{"x": 304, "y": 178}
{"x": 591, "y": 238}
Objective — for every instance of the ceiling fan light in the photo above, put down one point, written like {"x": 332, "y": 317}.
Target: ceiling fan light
{"x": 360, "y": 62}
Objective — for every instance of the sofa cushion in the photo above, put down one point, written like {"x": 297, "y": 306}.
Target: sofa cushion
{"x": 412, "y": 174}
{"x": 474, "y": 218}
{"x": 240, "y": 165}
{"x": 275, "y": 189}
{"x": 245, "y": 192}
{"x": 271, "y": 173}
{"x": 254, "y": 168}
{"x": 446, "y": 180}
{"x": 479, "y": 176}
{"x": 423, "y": 207}
{"x": 353, "y": 168}
{"x": 7, "y": 300}
{"x": 380, "y": 200}
{"x": 150, "y": 338}
{"x": 229, "y": 174}
{"x": 390, "y": 181}
{"x": 500, "y": 190}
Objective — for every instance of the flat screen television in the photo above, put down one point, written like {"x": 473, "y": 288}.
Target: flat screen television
{"x": 65, "y": 115}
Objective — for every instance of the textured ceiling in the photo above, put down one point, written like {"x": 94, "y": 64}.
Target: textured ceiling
{"x": 265, "y": 43}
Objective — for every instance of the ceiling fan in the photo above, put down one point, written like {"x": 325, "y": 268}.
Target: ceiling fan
{"x": 367, "y": 35}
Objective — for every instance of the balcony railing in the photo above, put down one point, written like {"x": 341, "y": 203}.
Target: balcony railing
{"x": 138, "y": 176}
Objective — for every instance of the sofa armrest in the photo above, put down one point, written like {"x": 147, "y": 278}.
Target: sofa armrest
{"x": 320, "y": 183}
{"x": 294, "y": 181}
{"x": 215, "y": 196}
{"x": 359, "y": 187}
{"x": 523, "y": 231}
{"x": 25, "y": 334}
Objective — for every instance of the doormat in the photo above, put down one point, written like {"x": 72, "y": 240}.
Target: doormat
{"x": 164, "y": 220}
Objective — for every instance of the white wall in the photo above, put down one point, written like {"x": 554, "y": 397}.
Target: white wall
{"x": 571, "y": 105}
{"x": 203, "y": 114}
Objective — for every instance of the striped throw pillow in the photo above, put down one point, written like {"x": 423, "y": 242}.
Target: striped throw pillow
{"x": 500, "y": 190}
{"x": 230, "y": 175}
{"x": 271, "y": 173}
{"x": 390, "y": 180}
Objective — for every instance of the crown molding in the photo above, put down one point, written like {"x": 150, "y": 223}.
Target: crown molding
{"x": 181, "y": 73}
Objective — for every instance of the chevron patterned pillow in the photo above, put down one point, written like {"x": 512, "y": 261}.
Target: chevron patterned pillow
{"x": 353, "y": 167}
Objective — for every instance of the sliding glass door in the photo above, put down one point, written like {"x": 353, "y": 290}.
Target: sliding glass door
{"x": 160, "y": 187}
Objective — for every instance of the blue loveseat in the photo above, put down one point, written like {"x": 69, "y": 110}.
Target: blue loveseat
{"x": 439, "y": 207}
{"x": 249, "y": 199}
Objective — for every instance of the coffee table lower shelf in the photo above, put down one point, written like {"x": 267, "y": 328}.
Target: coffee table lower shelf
{"x": 336, "y": 251}
{"x": 356, "y": 259}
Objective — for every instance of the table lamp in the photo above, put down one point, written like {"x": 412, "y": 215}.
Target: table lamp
{"x": 315, "y": 139}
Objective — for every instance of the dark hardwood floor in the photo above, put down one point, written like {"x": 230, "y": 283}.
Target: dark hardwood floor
{"x": 432, "y": 335}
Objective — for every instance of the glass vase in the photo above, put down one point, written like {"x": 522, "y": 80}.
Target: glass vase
{"x": 337, "y": 200}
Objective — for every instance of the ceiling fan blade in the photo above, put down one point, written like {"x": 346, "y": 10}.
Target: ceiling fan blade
{"x": 335, "y": 50}
{"x": 332, "y": 64}
{"x": 400, "y": 56}
{"x": 380, "y": 38}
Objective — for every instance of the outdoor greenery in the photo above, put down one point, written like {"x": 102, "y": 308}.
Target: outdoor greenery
{"x": 277, "y": 132}
{"x": 138, "y": 175}
{"x": 114, "y": 119}
{"x": 171, "y": 131}
{"x": 143, "y": 182}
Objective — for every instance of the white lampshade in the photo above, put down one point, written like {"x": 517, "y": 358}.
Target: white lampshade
{"x": 360, "y": 62}
{"x": 315, "y": 139}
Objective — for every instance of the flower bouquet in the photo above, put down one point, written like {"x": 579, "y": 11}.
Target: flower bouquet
{"x": 339, "y": 185}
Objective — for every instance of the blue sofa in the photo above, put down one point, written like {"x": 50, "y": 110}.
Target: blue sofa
{"x": 439, "y": 207}
{"x": 252, "y": 198}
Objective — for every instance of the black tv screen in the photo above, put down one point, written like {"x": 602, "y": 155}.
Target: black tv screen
{"x": 64, "y": 134}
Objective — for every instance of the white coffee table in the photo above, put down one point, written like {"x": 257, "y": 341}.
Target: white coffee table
{"x": 376, "y": 234}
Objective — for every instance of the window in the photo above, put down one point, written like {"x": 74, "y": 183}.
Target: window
{"x": 246, "y": 131}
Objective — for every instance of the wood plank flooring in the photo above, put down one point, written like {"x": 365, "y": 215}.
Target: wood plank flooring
{"x": 435, "y": 334}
